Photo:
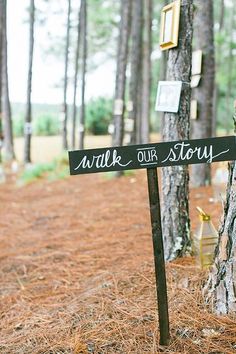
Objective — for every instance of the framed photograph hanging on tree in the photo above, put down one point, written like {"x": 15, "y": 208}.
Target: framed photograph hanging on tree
{"x": 193, "y": 109}
{"x": 168, "y": 96}
{"x": 170, "y": 25}
{"x": 197, "y": 62}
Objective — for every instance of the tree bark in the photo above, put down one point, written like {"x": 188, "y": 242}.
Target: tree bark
{"x": 230, "y": 69}
{"x": 65, "y": 107}
{"x": 219, "y": 290}
{"x": 204, "y": 94}
{"x": 84, "y": 62}
{"x": 218, "y": 63}
{"x": 136, "y": 37}
{"x": 118, "y": 111}
{"x": 146, "y": 80}
{"x": 28, "y": 117}
{"x": 175, "y": 180}
{"x": 74, "y": 107}
{"x": 1, "y": 62}
{"x": 140, "y": 98}
{"x": 7, "y": 117}
{"x": 162, "y": 76}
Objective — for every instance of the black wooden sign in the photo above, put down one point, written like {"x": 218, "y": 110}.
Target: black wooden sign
{"x": 153, "y": 155}
{"x": 150, "y": 156}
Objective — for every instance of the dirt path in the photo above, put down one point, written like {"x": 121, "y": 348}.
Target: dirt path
{"x": 76, "y": 270}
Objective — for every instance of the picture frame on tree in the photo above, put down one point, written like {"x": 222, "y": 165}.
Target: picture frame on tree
{"x": 197, "y": 62}
{"x": 169, "y": 33}
{"x": 168, "y": 96}
{"x": 195, "y": 80}
{"x": 193, "y": 109}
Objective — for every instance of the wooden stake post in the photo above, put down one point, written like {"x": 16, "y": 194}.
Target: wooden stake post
{"x": 151, "y": 156}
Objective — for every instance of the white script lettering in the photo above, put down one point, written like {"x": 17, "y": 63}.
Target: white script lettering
{"x": 147, "y": 156}
{"x": 104, "y": 160}
{"x": 182, "y": 152}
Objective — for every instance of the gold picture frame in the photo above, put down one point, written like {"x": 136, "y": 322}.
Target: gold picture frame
{"x": 170, "y": 17}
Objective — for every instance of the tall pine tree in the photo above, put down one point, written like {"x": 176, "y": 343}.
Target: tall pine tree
{"x": 28, "y": 117}
{"x": 204, "y": 93}
{"x": 175, "y": 179}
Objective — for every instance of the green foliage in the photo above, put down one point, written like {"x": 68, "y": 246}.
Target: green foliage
{"x": 225, "y": 63}
{"x": 46, "y": 125}
{"x": 18, "y": 125}
{"x": 57, "y": 169}
{"x": 37, "y": 171}
{"x": 45, "y": 119}
{"x": 98, "y": 115}
{"x": 42, "y": 125}
{"x": 103, "y": 20}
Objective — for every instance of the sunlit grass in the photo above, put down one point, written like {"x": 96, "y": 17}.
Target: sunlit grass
{"x": 57, "y": 169}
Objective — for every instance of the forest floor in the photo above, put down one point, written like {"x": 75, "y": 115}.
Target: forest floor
{"x": 77, "y": 273}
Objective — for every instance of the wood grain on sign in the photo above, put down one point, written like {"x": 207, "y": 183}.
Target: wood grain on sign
{"x": 152, "y": 155}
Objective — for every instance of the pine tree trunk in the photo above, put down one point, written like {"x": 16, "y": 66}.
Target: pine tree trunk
{"x": 230, "y": 70}
{"x": 175, "y": 180}
{"x": 1, "y": 62}
{"x": 74, "y": 106}
{"x": 28, "y": 117}
{"x": 219, "y": 291}
{"x": 118, "y": 111}
{"x": 65, "y": 107}
{"x": 204, "y": 94}
{"x": 8, "y": 132}
{"x": 162, "y": 77}
{"x": 136, "y": 37}
{"x": 140, "y": 98}
{"x": 84, "y": 59}
{"x": 218, "y": 63}
{"x": 146, "y": 87}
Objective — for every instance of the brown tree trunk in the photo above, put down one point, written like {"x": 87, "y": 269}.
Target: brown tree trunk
{"x": 220, "y": 288}
{"x": 204, "y": 94}
{"x": 140, "y": 98}
{"x": 84, "y": 60}
{"x": 28, "y": 117}
{"x": 74, "y": 107}
{"x": 162, "y": 77}
{"x": 218, "y": 63}
{"x": 65, "y": 107}
{"x": 230, "y": 70}
{"x": 175, "y": 180}
{"x": 146, "y": 80}
{"x": 136, "y": 37}
{"x": 7, "y": 118}
{"x": 1, "y": 47}
{"x": 118, "y": 111}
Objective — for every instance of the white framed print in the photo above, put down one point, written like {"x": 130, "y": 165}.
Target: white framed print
{"x": 168, "y": 96}
{"x": 197, "y": 62}
{"x": 129, "y": 125}
{"x": 195, "y": 80}
{"x": 118, "y": 107}
{"x": 28, "y": 128}
{"x": 193, "y": 109}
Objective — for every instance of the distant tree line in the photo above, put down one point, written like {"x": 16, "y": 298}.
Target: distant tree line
{"x": 132, "y": 27}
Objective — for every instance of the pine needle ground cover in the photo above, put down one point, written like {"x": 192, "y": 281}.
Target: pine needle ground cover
{"x": 77, "y": 273}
